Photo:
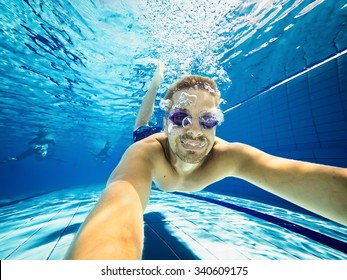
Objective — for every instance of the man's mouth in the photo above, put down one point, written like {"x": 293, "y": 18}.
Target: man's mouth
{"x": 193, "y": 144}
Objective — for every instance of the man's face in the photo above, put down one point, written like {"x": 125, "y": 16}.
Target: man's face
{"x": 191, "y": 141}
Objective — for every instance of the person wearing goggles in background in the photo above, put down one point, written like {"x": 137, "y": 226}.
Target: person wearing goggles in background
{"x": 187, "y": 156}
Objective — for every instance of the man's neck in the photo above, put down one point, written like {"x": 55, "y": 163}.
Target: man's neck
{"x": 181, "y": 166}
{"x": 184, "y": 167}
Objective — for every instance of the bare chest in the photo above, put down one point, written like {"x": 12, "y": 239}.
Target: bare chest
{"x": 168, "y": 179}
{"x": 175, "y": 182}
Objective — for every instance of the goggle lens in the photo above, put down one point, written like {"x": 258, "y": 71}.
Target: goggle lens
{"x": 208, "y": 121}
{"x": 180, "y": 118}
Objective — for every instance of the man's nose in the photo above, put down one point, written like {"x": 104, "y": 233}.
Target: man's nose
{"x": 195, "y": 127}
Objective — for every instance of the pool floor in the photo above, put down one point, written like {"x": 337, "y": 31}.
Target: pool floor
{"x": 176, "y": 227}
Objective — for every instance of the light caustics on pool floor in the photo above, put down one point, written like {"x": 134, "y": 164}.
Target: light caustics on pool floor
{"x": 177, "y": 226}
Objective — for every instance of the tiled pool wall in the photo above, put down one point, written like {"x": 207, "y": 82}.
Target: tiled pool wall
{"x": 304, "y": 118}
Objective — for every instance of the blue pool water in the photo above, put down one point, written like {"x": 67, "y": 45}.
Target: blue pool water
{"x": 79, "y": 69}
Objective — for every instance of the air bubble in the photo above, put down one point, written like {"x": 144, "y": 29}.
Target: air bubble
{"x": 171, "y": 126}
{"x": 209, "y": 88}
{"x": 165, "y": 104}
{"x": 219, "y": 116}
{"x": 186, "y": 100}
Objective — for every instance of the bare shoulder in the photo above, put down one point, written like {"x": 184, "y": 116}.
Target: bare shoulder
{"x": 149, "y": 148}
{"x": 138, "y": 162}
{"x": 231, "y": 148}
{"x": 151, "y": 142}
{"x": 231, "y": 156}
{"x": 236, "y": 148}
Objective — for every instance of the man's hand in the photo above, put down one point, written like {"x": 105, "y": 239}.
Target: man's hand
{"x": 159, "y": 72}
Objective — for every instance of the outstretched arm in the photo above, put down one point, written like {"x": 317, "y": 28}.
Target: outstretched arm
{"x": 114, "y": 229}
{"x": 319, "y": 188}
{"x": 146, "y": 109}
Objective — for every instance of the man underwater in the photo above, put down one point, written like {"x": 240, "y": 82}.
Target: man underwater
{"x": 38, "y": 147}
{"x": 103, "y": 154}
{"x": 188, "y": 156}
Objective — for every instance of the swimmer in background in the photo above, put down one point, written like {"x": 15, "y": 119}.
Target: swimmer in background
{"x": 103, "y": 154}
{"x": 187, "y": 156}
{"x": 38, "y": 147}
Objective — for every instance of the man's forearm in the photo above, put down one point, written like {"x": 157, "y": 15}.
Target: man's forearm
{"x": 319, "y": 188}
{"x": 114, "y": 229}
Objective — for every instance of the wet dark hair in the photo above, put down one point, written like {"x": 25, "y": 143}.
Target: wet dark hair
{"x": 197, "y": 82}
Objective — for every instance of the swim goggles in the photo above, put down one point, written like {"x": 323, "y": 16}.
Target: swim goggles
{"x": 181, "y": 118}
